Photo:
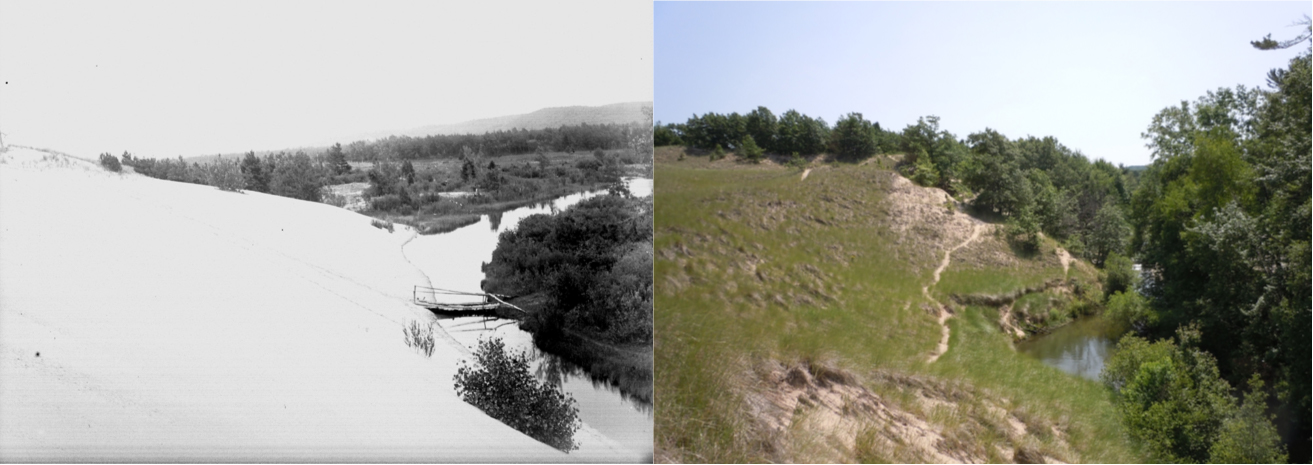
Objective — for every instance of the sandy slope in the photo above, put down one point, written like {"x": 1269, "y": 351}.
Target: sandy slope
{"x": 180, "y": 322}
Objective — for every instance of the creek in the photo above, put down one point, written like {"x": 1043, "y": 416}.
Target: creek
{"x": 454, "y": 260}
{"x": 1081, "y": 347}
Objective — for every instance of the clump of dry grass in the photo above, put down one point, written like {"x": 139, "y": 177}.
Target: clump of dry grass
{"x": 380, "y": 224}
{"x": 419, "y": 337}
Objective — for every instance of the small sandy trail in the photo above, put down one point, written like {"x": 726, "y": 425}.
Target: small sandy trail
{"x": 943, "y": 311}
{"x": 805, "y": 173}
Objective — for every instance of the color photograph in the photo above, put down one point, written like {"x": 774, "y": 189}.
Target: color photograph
{"x": 903, "y": 232}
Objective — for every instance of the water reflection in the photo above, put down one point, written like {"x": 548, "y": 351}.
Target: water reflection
{"x": 1080, "y": 348}
{"x": 454, "y": 260}
{"x": 606, "y": 407}
{"x": 559, "y": 371}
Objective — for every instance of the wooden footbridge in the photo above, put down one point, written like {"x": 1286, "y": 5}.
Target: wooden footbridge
{"x": 427, "y": 297}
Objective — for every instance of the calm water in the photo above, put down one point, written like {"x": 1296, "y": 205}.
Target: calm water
{"x": 454, "y": 261}
{"x": 1080, "y": 348}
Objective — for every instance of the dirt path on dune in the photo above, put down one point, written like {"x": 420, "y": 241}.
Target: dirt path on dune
{"x": 805, "y": 173}
{"x": 943, "y": 311}
{"x": 1066, "y": 260}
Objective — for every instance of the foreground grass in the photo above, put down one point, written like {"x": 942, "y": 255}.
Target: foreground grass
{"x": 753, "y": 264}
{"x": 980, "y": 353}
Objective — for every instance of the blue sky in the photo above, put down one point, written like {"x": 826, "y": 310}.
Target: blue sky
{"x": 1090, "y": 74}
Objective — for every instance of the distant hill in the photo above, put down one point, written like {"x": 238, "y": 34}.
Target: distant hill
{"x": 1137, "y": 167}
{"x": 616, "y": 113}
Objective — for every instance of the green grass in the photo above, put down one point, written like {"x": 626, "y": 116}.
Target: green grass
{"x": 754, "y": 264}
{"x": 980, "y": 353}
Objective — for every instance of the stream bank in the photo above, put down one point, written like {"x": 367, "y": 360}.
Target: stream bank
{"x": 616, "y": 408}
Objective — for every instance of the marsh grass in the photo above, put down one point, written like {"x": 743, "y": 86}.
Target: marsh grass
{"x": 752, "y": 263}
{"x": 419, "y": 337}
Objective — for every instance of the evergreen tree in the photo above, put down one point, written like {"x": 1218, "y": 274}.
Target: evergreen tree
{"x": 408, "y": 171}
{"x": 254, "y": 174}
{"x": 337, "y": 160}
{"x": 749, "y": 150}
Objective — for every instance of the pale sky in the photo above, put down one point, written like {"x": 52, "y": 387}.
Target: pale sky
{"x": 1090, "y": 74}
{"x": 195, "y": 78}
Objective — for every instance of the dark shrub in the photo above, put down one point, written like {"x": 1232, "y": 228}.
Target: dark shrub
{"x": 500, "y": 384}
{"x": 588, "y": 165}
{"x": 384, "y": 203}
{"x": 380, "y": 224}
{"x": 110, "y": 162}
{"x": 1120, "y": 274}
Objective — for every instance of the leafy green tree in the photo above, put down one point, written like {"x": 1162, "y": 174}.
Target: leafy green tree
{"x": 924, "y": 172}
{"x": 1108, "y": 236}
{"x": 666, "y": 135}
{"x": 1055, "y": 209}
{"x": 1121, "y": 275}
{"x": 1221, "y": 219}
{"x": 994, "y": 172}
{"x": 501, "y": 384}
{"x": 1169, "y": 397}
{"x": 1023, "y": 228}
{"x": 712, "y": 129}
{"x": 1131, "y": 309}
{"x": 1281, "y": 164}
{"x": 762, "y": 125}
{"x": 944, "y": 151}
{"x": 801, "y": 133}
{"x": 749, "y": 150}
{"x": 1249, "y": 436}
{"x": 854, "y": 138}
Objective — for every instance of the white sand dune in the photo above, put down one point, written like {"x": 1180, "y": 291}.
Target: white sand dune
{"x": 180, "y": 322}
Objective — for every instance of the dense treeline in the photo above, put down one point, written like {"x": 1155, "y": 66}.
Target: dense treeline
{"x": 497, "y": 143}
{"x": 397, "y": 187}
{"x": 402, "y": 189}
{"x": 593, "y": 261}
{"x": 1221, "y": 226}
{"x": 1038, "y": 185}
{"x": 294, "y": 175}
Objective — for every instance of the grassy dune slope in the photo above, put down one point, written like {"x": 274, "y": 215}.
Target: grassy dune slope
{"x": 758, "y": 271}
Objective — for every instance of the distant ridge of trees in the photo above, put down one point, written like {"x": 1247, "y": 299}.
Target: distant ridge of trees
{"x": 1036, "y": 185}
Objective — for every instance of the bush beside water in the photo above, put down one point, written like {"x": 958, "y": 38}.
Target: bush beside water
{"x": 500, "y": 383}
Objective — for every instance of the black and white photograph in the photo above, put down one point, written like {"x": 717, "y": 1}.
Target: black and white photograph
{"x": 301, "y": 231}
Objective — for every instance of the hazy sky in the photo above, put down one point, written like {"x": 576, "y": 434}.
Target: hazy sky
{"x": 1090, "y": 74}
{"x": 192, "y": 78}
